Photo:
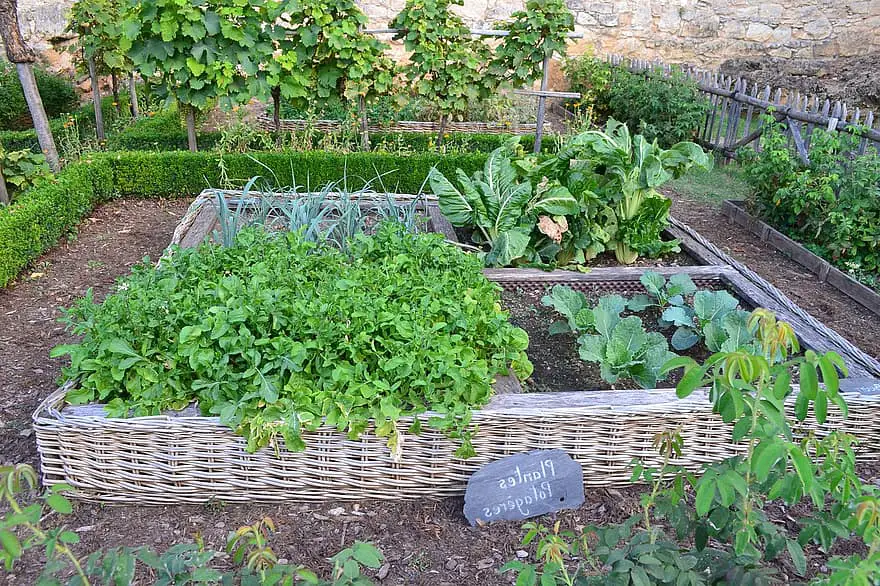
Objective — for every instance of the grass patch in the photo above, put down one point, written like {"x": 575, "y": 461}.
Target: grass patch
{"x": 714, "y": 186}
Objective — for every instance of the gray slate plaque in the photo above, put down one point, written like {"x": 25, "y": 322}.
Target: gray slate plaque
{"x": 524, "y": 485}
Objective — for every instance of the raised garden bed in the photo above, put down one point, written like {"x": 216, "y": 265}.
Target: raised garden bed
{"x": 293, "y": 125}
{"x": 182, "y": 457}
{"x": 827, "y": 273}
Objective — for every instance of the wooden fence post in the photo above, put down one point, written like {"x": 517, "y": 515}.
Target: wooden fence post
{"x": 539, "y": 131}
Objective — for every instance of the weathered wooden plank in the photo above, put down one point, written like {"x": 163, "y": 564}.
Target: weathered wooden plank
{"x": 597, "y": 274}
{"x": 794, "y": 129}
{"x": 201, "y": 228}
{"x": 863, "y": 295}
{"x": 869, "y": 122}
{"x": 547, "y": 94}
{"x": 440, "y": 224}
{"x": 809, "y": 337}
{"x": 691, "y": 246}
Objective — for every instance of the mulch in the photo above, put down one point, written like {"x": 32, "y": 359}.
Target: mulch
{"x": 424, "y": 542}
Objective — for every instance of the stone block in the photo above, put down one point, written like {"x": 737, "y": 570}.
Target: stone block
{"x": 758, "y": 32}
{"x": 818, "y": 29}
{"x": 670, "y": 20}
{"x": 771, "y": 13}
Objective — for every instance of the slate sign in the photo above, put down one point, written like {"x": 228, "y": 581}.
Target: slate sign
{"x": 524, "y": 485}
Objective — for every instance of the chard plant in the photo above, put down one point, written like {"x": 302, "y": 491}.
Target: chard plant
{"x": 504, "y": 209}
{"x": 631, "y": 170}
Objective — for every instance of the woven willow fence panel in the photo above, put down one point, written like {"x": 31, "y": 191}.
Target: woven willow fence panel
{"x": 293, "y": 125}
{"x": 192, "y": 459}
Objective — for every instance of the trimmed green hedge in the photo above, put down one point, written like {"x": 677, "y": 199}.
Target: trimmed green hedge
{"x": 40, "y": 216}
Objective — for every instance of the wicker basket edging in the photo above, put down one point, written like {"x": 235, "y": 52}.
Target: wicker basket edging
{"x": 192, "y": 459}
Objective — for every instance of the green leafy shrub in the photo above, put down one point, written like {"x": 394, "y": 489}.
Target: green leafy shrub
{"x": 23, "y": 169}
{"x": 277, "y": 335}
{"x": 665, "y": 107}
{"x": 591, "y": 77}
{"x": 58, "y": 95}
{"x": 831, "y": 205}
{"x": 40, "y": 216}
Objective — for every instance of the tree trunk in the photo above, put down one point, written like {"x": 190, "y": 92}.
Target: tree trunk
{"x": 442, "y": 132}
{"x": 276, "y": 109}
{"x": 191, "y": 128}
{"x": 38, "y": 115}
{"x": 365, "y": 124}
{"x": 114, "y": 83}
{"x": 4, "y": 195}
{"x": 96, "y": 99}
{"x": 19, "y": 53}
{"x": 132, "y": 91}
{"x": 16, "y": 49}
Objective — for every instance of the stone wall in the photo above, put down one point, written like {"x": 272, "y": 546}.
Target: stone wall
{"x": 704, "y": 32}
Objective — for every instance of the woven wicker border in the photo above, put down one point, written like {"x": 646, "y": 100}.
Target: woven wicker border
{"x": 183, "y": 458}
{"x": 292, "y": 125}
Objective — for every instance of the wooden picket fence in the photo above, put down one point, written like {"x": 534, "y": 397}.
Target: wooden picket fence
{"x": 733, "y": 120}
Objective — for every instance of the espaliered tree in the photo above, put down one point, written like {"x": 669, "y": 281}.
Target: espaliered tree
{"x": 447, "y": 66}
{"x": 19, "y": 53}
{"x": 534, "y": 35}
{"x": 321, "y": 54}
{"x": 198, "y": 52}
{"x": 98, "y": 26}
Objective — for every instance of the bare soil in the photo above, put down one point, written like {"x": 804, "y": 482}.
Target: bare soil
{"x": 558, "y": 366}
{"x": 424, "y": 542}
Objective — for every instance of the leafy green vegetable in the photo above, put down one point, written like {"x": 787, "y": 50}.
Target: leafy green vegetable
{"x": 503, "y": 209}
{"x": 621, "y": 346}
{"x": 277, "y": 335}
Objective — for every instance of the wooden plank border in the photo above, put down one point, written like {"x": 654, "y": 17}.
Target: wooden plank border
{"x": 825, "y": 271}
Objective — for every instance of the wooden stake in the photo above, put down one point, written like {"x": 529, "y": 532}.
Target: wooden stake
{"x": 133, "y": 97}
{"x": 542, "y": 102}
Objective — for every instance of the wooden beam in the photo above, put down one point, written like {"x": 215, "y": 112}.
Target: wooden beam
{"x": 548, "y": 94}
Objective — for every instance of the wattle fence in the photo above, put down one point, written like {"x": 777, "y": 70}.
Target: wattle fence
{"x": 733, "y": 120}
